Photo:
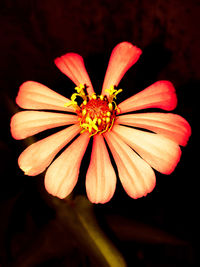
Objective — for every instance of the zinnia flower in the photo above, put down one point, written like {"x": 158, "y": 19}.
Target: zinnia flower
{"x": 138, "y": 142}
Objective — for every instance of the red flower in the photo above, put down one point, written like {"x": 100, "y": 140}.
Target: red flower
{"x": 135, "y": 151}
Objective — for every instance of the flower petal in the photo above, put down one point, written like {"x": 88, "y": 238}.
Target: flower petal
{"x": 136, "y": 176}
{"x": 170, "y": 125}
{"x": 27, "y": 123}
{"x": 161, "y": 94}
{"x": 37, "y": 157}
{"x": 62, "y": 175}
{"x": 160, "y": 152}
{"x": 33, "y": 95}
{"x": 100, "y": 177}
{"x": 73, "y": 66}
{"x": 123, "y": 56}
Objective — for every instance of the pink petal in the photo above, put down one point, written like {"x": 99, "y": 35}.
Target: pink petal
{"x": 123, "y": 56}
{"x": 100, "y": 178}
{"x": 33, "y": 95}
{"x": 37, "y": 157}
{"x": 27, "y": 123}
{"x": 170, "y": 125}
{"x": 160, "y": 152}
{"x": 136, "y": 176}
{"x": 73, "y": 66}
{"x": 62, "y": 175}
{"x": 161, "y": 94}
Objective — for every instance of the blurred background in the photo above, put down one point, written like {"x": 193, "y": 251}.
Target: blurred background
{"x": 158, "y": 230}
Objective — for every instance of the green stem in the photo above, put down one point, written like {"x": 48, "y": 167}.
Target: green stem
{"x": 79, "y": 217}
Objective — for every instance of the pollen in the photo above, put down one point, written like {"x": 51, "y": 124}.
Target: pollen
{"x": 84, "y": 111}
{"x": 110, "y": 106}
{"x": 94, "y": 96}
{"x": 107, "y": 119}
{"x": 97, "y": 113}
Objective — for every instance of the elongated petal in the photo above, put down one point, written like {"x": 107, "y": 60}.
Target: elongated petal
{"x": 170, "y": 125}
{"x": 27, "y": 123}
{"x": 73, "y": 66}
{"x": 123, "y": 56}
{"x": 100, "y": 177}
{"x": 160, "y": 152}
{"x": 62, "y": 175}
{"x": 136, "y": 176}
{"x": 33, "y": 95}
{"x": 161, "y": 94}
{"x": 37, "y": 157}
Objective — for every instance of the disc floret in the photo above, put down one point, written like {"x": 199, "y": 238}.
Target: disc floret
{"x": 96, "y": 113}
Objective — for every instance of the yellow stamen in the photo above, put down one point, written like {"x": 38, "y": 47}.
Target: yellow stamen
{"x": 118, "y": 110}
{"x": 111, "y": 124}
{"x": 88, "y": 119}
{"x": 118, "y": 91}
{"x": 80, "y": 91}
{"x": 79, "y": 88}
{"x": 91, "y": 124}
{"x": 73, "y": 97}
{"x": 107, "y": 119}
{"x": 82, "y": 131}
{"x": 72, "y": 103}
{"x": 115, "y": 104}
{"x": 110, "y": 106}
{"x": 84, "y": 112}
{"x": 95, "y": 120}
{"x": 26, "y": 170}
{"x": 113, "y": 92}
{"x": 68, "y": 104}
{"x": 99, "y": 121}
{"x": 105, "y": 129}
{"x": 97, "y": 113}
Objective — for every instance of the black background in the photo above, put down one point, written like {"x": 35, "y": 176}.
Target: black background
{"x": 33, "y": 34}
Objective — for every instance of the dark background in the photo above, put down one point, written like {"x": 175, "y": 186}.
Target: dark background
{"x": 158, "y": 230}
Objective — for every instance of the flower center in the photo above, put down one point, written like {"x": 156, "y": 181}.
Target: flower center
{"x": 96, "y": 113}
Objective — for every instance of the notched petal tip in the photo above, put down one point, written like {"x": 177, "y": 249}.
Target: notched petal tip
{"x": 27, "y": 170}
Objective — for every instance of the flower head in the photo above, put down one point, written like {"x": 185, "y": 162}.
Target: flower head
{"x": 135, "y": 150}
{"x": 96, "y": 114}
